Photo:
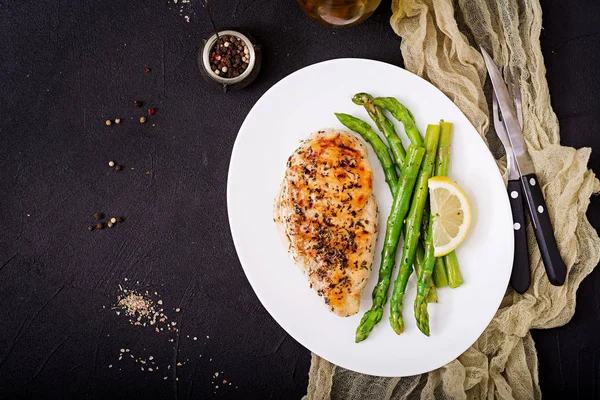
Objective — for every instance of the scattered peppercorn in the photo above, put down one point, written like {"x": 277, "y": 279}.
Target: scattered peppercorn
{"x": 113, "y": 220}
{"x": 99, "y": 225}
{"x": 118, "y": 168}
{"x": 117, "y": 121}
{"x": 142, "y": 120}
{"x": 229, "y": 57}
{"x": 151, "y": 111}
{"x": 98, "y": 216}
{"x": 108, "y": 122}
{"x": 111, "y": 164}
{"x": 119, "y": 219}
{"x": 90, "y": 228}
{"x": 147, "y": 69}
{"x": 138, "y": 103}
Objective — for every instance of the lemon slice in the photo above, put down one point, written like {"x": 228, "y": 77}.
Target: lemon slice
{"x": 451, "y": 213}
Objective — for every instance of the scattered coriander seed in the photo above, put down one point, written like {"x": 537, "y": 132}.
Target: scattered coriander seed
{"x": 90, "y": 228}
{"x": 98, "y": 216}
{"x": 99, "y": 225}
{"x": 109, "y": 224}
{"x": 224, "y": 69}
{"x": 138, "y": 103}
{"x": 113, "y": 220}
{"x": 142, "y": 120}
{"x": 111, "y": 164}
{"x": 217, "y": 72}
{"x": 117, "y": 121}
{"x": 151, "y": 111}
{"x": 118, "y": 168}
{"x": 108, "y": 122}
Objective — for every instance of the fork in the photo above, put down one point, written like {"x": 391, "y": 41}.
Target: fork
{"x": 521, "y": 277}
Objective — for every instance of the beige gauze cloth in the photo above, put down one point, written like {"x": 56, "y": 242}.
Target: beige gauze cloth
{"x": 439, "y": 40}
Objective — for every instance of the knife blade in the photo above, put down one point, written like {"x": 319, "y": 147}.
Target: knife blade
{"x": 509, "y": 117}
{"x": 556, "y": 270}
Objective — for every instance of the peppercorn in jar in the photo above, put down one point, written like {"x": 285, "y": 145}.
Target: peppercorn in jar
{"x": 229, "y": 56}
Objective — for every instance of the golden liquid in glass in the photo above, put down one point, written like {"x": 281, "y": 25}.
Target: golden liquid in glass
{"x": 339, "y": 12}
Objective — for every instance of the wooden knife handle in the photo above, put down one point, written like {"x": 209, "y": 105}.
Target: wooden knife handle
{"x": 544, "y": 233}
{"x": 520, "y": 278}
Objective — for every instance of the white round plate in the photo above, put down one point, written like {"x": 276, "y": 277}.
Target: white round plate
{"x": 290, "y": 111}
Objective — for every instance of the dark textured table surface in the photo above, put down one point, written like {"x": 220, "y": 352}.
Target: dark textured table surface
{"x": 66, "y": 67}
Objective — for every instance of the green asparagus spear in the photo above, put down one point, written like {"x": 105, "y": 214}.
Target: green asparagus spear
{"x": 418, "y": 263}
{"x": 381, "y": 150}
{"x": 413, "y": 228}
{"x": 439, "y": 269}
{"x": 395, "y": 221}
{"x": 423, "y": 284}
{"x": 455, "y": 278}
{"x": 440, "y": 279}
{"x": 383, "y": 124}
{"x": 420, "y": 306}
{"x": 403, "y": 115}
{"x": 443, "y": 161}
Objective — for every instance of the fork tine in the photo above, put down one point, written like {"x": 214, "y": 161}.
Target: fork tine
{"x": 495, "y": 107}
{"x": 498, "y": 124}
{"x": 517, "y": 97}
{"x": 507, "y": 79}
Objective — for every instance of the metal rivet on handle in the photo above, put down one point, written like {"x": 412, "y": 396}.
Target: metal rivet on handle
{"x": 540, "y": 209}
{"x": 514, "y": 194}
{"x": 532, "y": 182}
{"x": 517, "y": 226}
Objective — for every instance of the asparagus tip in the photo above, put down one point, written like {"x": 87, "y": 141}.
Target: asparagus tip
{"x": 361, "y": 98}
{"x": 397, "y": 324}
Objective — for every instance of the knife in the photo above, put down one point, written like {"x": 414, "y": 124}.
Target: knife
{"x": 520, "y": 279}
{"x": 556, "y": 270}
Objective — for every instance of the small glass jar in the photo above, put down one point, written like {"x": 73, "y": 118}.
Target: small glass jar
{"x": 339, "y": 12}
{"x": 235, "y": 82}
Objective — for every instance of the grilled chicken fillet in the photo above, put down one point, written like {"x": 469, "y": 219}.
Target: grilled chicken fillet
{"x": 327, "y": 216}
